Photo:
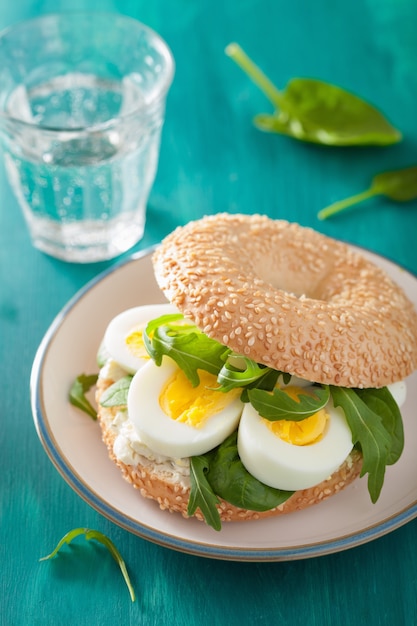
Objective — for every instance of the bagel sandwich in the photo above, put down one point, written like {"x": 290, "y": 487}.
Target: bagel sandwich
{"x": 271, "y": 378}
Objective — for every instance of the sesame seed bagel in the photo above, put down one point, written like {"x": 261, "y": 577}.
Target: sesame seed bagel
{"x": 290, "y": 298}
{"x": 173, "y": 495}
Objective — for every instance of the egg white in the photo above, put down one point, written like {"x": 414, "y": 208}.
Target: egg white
{"x": 286, "y": 466}
{"x": 123, "y": 324}
{"x": 165, "y": 435}
{"x": 399, "y": 392}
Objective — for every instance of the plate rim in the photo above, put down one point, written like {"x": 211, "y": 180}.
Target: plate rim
{"x": 190, "y": 546}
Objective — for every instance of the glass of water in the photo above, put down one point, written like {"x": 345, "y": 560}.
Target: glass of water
{"x": 82, "y": 102}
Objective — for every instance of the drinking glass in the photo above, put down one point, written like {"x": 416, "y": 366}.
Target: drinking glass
{"x": 82, "y": 105}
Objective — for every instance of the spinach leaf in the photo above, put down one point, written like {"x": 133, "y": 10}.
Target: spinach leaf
{"x": 231, "y": 481}
{"x": 190, "y": 348}
{"x": 398, "y": 185}
{"x": 279, "y": 405}
{"x": 368, "y": 430}
{"x": 315, "y": 111}
{"x": 81, "y": 385}
{"x": 201, "y": 494}
{"x": 101, "y": 538}
{"x": 116, "y": 394}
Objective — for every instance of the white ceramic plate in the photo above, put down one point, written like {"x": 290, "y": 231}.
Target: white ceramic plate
{"x": 73, "y": 442}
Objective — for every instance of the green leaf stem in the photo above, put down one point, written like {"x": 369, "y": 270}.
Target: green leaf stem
{"x": 397, "y": 185}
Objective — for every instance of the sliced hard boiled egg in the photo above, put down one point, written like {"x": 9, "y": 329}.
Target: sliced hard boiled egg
{"x": 123, "y": 338}
{"x": 178, "y": 420}
{"x": 271, "y": 456}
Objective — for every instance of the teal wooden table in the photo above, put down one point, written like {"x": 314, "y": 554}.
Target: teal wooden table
{"x": 212, "y": 159}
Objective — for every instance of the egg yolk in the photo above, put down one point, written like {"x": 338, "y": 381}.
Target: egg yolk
{"x": 193, "y": 405}
{"x": 135, "y": 344}
{"x": 303, "y": 432}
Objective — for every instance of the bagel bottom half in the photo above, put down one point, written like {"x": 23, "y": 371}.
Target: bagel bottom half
{"x": 173, "y": 497}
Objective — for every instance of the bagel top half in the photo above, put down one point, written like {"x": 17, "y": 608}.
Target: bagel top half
{"x": 290, "y": 298}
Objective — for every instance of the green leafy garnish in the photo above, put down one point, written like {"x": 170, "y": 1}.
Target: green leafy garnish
{"x": 278, "y": 405}
{"x": 221, "y": 474}
{"x": 381, "y": 402}
{"x": 315, "y": 111}
{"x": 398, "y": 185}
{"x": 105, "y": 541}
{"x": 81, "y": 385}
{"x": 231, "y": 481}
{"x": 368, "y": 430}
{"x": 201, "y": 494}
{"x": 240, "y": 371}
{"x": 116, "y": 394}
{"x": 190, "y": 348}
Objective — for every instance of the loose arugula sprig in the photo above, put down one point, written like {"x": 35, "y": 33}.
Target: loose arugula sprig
{"x": 398, "y": 185}
{"x": 315, "y": 111}
{"x": 81, "y": 385}
{"x": 105, "y": 541}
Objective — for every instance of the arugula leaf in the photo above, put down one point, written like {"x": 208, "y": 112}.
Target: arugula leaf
{"x": 153, "y": 349}
{"x": 247, "y": 372}
{"x": 279, "y": 405}
{"x": 267, "y": 382}
{"x": 398, "y": 185}
{"x": 116, "y": 394}
{"x": 202, "y": 495}
{"x": 101, "y": 538}
{"x": 369, "y": 432}
{"x": 81, "y": 385}
{"x": 190, "y": 348}
{"x": 315, "y": 111}
{"x": 231, "y": 481}
{"x": 381, "y": 402}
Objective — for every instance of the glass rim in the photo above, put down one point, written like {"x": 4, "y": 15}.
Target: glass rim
{"x": 144, "y": 109}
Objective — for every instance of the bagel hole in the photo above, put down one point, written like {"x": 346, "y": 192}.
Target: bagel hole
{"x": 293, "y": 286}
{"x": 296, "y": 274}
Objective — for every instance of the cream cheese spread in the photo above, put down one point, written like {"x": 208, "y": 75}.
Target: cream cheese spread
{"x": 130, "y": 450}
